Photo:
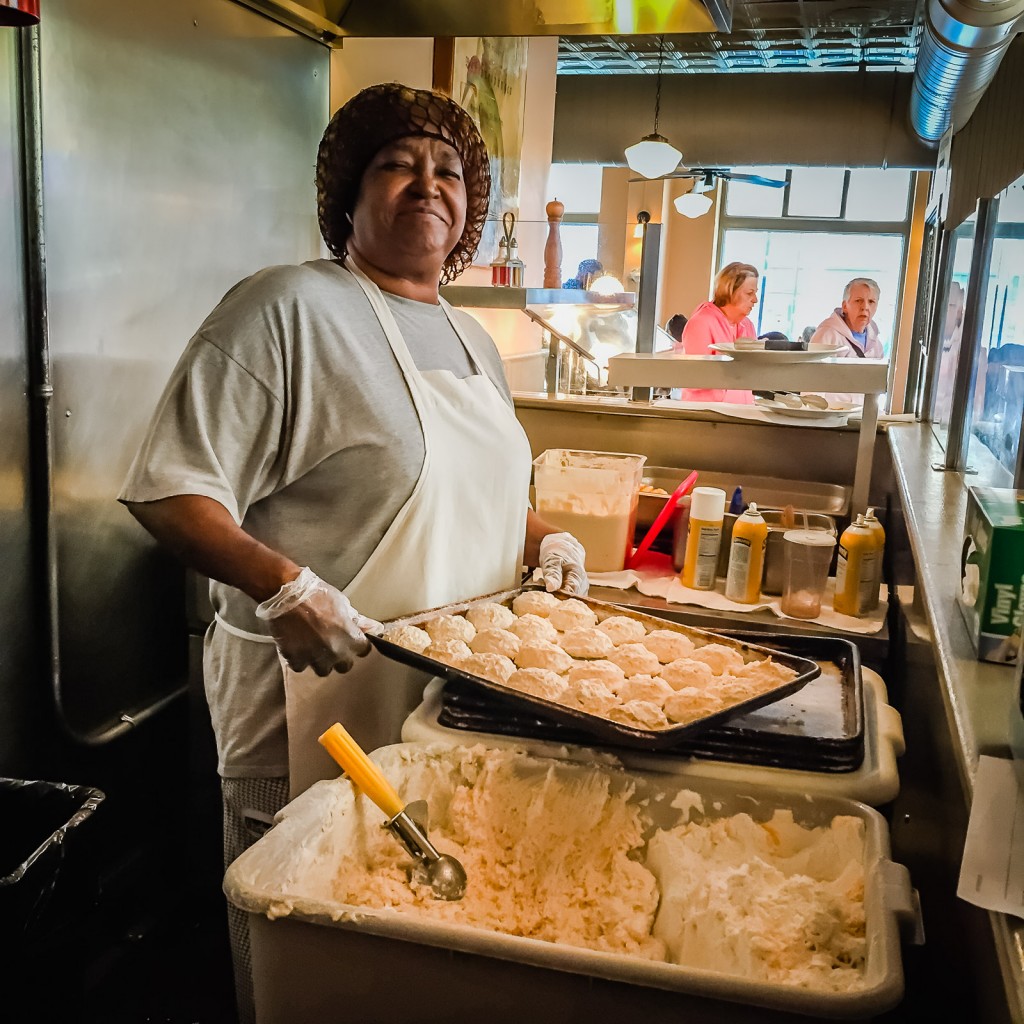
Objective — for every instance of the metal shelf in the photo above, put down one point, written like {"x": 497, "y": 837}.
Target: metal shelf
{"x": 520, "y": 298}
{"x": 674, "y": 370}
{"x": 867, "y": 377}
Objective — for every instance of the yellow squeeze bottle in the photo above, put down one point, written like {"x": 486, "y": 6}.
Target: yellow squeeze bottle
{"x": 746, "y": 557}
{"x": 871, "y": 521}
{"x": 707, "y": 511}
{"x": 855, "y": 569}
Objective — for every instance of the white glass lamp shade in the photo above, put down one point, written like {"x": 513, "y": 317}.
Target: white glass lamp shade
{"x": 653, "y": 156}
{"x": 693, "y": 204}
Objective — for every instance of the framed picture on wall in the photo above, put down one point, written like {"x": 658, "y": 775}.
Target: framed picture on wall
{"x": 489, "y": 81}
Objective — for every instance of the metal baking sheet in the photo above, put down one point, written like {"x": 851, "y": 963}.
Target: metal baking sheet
{"x": 818, "y": 728}
{"x": 593, "y": 725}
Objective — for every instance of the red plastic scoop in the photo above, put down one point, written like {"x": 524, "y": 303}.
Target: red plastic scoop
{"x": 661, "y": 519}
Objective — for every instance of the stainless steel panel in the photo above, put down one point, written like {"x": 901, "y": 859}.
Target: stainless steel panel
{"x": 18, "y": 697}
{"x": 179, "y": 147}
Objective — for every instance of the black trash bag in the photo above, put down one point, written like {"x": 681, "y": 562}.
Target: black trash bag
{"x": 37, "y": 820}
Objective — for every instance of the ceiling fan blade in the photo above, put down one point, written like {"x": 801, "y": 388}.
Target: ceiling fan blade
{"x": 753, "y": 179}
{"x": 665, "y": 177}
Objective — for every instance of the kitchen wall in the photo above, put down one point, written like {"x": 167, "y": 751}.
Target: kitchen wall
{"x": 847, "y": 119}
{"x": 988, "y": 153}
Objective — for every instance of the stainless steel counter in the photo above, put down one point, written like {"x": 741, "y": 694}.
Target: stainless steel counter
{"x": 976, "y": 696}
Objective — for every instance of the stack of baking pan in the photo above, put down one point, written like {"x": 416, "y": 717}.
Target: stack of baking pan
{"x": 820, "y": 727}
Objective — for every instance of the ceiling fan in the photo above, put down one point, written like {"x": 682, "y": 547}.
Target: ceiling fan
{"x": 707, "y": 175}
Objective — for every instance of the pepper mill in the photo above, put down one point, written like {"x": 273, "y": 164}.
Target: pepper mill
{"x": 553, "y": 246}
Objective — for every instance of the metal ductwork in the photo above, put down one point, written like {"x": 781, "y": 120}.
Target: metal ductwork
{"x": 962, "y": 45}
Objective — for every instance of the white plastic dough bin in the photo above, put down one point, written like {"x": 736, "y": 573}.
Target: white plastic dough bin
{"x": 315, "y": 959}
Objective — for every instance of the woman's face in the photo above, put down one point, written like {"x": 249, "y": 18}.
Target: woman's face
{"x": 411, "y": 208}
{"x": 744, "y": 299}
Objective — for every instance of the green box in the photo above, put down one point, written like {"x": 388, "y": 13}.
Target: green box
{"x": 992, "y": 571}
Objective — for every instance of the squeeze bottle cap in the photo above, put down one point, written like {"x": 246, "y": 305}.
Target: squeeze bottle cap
{"x": 707, "y": 504}
{"x": 752, "y": 513}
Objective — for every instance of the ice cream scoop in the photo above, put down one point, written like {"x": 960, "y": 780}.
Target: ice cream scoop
{"x": 445, "y": 875}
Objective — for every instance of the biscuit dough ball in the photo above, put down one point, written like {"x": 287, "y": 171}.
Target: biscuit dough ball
{"x": 737, "y": 689}
{"x": 690, "y": 703}
{"x": 490, "y": 616}
{"x": 543, "y": 655}
{"x": 586, "y": 642}
{"x": 598, "y": 672}
{"x": 495, "y": 641}
{"x": 535, "y": 602}
{"x": 645, "y": 688}
{"x": 450, "y": 627}
{"x": 767, "y": 672}
{"x": 538, "y": 681}
{"x": 719, "y": 658}
{"x": 668, "y": 645}
{"x": 451, "y": 652}
{"x": 532, "y": 628}
{"x": 571, "y": 614}
{"x": 641, "y": 714}
{"x": 591, "y": 696}
{"x": 686, "y": 672}
{"x": 489, "y": 666}
{"x": 635, "y": 659}
{"x": 410, "y": 637}
{"x": 622, "y": 629}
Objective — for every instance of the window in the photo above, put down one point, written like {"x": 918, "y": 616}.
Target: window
{"x": 808, "y": 240}
{"x": 999, "y": 392}
{"x": 578, "y": 186}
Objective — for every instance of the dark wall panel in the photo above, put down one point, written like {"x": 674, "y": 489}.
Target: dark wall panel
{"x": 988, "y": 153}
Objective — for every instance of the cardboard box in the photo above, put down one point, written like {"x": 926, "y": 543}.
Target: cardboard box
{"x": 992, "y": 572}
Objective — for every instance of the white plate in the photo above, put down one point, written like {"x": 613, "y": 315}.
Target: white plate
{"x": 806, "y": 412}
{"x": 772, "y": 356}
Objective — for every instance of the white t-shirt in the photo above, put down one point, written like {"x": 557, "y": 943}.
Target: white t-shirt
{"x": 289, "y": 408}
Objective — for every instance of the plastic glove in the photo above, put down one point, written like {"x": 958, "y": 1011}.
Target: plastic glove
{"x": 315, "y": 625}
{"x": 561, "y": 562}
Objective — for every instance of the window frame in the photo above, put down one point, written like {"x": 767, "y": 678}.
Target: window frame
{"x": 827, "y": 225}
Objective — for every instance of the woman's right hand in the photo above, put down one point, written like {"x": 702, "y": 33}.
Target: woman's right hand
{"x": 315, "y": 625}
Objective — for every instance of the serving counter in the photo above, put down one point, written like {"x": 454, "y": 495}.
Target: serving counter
{"x": 975, "y": 697}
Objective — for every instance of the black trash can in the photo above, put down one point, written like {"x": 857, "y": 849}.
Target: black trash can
{"x": 38, "y": 823}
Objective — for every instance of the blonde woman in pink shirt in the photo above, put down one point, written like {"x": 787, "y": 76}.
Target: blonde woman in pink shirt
{"x": 724, "y": 319}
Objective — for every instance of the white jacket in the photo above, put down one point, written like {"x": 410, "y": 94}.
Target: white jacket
{"x": 835, "y": 331}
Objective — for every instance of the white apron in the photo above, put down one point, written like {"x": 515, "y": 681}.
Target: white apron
{"x": 452, "y": 540}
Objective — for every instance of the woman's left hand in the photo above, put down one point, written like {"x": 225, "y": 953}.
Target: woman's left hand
{"x": 561, "y": 561}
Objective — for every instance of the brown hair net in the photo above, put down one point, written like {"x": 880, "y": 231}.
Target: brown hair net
{"x": 373, "y": 119}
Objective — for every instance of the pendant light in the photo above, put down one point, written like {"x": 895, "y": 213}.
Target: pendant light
{"x": 696, "y": 203}
{"x": 654, "y": 155}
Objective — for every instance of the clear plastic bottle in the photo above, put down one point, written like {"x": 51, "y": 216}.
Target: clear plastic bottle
{"x": 704, "y": 538}
{"x": 855, "y": 569}
{"x": 873, "y": 524}
{"x": 746, "y": 557}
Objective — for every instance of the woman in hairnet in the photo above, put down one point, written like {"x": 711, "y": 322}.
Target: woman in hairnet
{"x": 337, "y": 445}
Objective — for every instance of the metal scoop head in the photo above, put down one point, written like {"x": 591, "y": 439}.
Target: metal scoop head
{"x": 444, "y": 874}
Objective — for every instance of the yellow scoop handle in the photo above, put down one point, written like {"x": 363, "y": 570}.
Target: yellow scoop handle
{"x": 361, "y": 770}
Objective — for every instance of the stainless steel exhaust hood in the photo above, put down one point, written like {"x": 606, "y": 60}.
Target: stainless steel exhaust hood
{"x": 331, "y": 20}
